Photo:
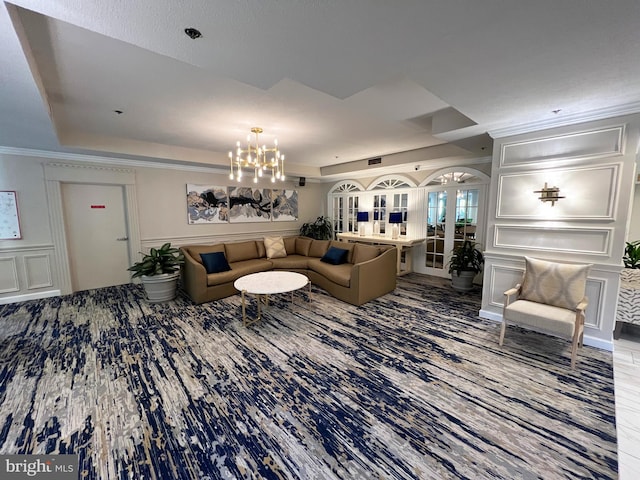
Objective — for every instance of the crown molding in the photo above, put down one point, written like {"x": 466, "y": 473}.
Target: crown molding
{"x": 124, "y": 162}
{"x": 563, "y": 121}
{"x": 129, "y": 163}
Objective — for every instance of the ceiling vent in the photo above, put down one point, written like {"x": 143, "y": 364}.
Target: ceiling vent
{"x": 374, "y": 161}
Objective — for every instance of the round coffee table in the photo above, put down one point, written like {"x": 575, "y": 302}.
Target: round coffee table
{"x": 263, "y": 284}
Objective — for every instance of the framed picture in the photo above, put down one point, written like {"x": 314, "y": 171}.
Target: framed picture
{"x": 284, "y": 205}
{"x": 248, "y": 204}
{"x": 207, "y": 204}
{"x": 9, "y": 217}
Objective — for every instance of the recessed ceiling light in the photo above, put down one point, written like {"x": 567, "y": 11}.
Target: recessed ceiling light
{"x": 192, "y": 33}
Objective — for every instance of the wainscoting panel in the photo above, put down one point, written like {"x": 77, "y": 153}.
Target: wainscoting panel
{"x": 578, "y": 146}
{"x": 588, "y": 241}
{"x": 8, "y": 275}
{"x": 502, "y": 278}
{"x": 37, "y": 271}
{"x": 591, "y": 193}
{"x": 26, "y": 273}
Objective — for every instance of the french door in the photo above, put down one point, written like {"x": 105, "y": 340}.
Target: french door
{"x": 452, "y": 216}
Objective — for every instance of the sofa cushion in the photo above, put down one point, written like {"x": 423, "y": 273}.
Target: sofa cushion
{"x": 302, "y": 246}
{"x": 239, "y": 269}
{"x": 215, "y": 262}
{"x": 546, "y": 317}
{"x": 290, "y": 262}
{"x": 196, "y": 250}
{"x": 344, "y": 246}
{"x": 340, "y": 274}
{"x": 318, "y": 248}
{"x": 290, "y": 245}
{"x": 239, "y": 251}
{"x": 364, "y": 253}
{"x": 274, "y": 247}
{"x": 559, "y": 284}
{"x": 335, "y": 256}
{"x": 262, "y": 252}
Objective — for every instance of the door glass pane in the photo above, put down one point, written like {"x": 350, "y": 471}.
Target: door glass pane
{"x": 466, "y": 216}
{"x": 436, "y": 221}
{"x": 380, "y": 211}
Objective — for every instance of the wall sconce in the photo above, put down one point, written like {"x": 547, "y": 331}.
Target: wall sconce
{"x": 549, "y": 194}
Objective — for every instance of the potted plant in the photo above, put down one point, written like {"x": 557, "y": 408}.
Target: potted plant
{"x": 159, "y": 271}
{"x": 631, "y": 256}
{"x": 320, "y": 229}
{"x": 465, "y": 263}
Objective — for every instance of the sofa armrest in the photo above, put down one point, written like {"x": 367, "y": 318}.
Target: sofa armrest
{"x": 375, "y": 277}
{"x": 194, "y": 278}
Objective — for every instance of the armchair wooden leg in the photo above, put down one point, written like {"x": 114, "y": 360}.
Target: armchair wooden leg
{"x": 502, "y": 330}
{"x": 574, "y": 349}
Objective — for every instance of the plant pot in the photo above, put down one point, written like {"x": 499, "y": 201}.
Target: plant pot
{"x": 160, "y": 288}
{"x": 462, "y": 282}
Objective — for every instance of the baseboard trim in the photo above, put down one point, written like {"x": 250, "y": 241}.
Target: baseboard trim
{"x": 30, "y": 296}
{"x": 487, "y": 315}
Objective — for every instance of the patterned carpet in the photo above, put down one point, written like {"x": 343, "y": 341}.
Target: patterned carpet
{"x": 410, "y": 386}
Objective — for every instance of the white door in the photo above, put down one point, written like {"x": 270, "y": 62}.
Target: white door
{"x": 96, "y": 232}
{"x": 452, "y": 217}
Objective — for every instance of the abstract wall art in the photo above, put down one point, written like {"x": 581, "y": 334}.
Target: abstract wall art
{"x": 207, "y": 204}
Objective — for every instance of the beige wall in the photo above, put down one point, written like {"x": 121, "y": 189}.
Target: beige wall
{"x": 37, "y": 265}
{"x": 26, "y": 177}
{"x": 163, "y": 208}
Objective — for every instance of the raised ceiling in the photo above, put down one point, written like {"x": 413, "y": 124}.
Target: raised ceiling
{"x": 336, "y": 81}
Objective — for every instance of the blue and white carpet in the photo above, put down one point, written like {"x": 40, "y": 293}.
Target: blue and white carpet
{"x": 412, "y": 385}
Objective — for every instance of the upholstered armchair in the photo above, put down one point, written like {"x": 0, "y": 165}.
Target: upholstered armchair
{"x": 551, "y": 299}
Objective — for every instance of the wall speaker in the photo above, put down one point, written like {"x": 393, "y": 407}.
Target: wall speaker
{"x": 302, "y": 181}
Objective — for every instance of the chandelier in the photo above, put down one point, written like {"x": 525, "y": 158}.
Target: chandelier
{"x": 452, "y": 177}
{"x": 259, "y": 158}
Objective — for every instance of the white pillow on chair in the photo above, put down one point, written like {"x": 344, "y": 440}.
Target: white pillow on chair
{"x": 558, "y": 284}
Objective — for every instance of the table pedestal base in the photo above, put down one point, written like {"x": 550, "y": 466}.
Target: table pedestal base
{"x": 263, "y": 299}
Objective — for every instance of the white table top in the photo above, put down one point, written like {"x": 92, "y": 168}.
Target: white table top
{"x": 402, "y": 240}
{"x": 266, "y": 283}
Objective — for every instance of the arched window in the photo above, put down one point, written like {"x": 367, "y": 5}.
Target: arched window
{"x": 344, "y": 199}
{"x": 388, "y": 202}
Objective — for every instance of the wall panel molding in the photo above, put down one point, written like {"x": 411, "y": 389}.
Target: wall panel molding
{"x": 9, "y": 275}
{"x": 37, "y": 271}
{"x": 579, "y": 146}
{"x": 591, "y": 193}
{"x": 148, "y": 243}
{"x": 583, "y": 240}
{"x": 27, "y": 248}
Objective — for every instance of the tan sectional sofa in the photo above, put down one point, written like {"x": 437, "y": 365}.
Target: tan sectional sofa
{"x": 369, "y": 271}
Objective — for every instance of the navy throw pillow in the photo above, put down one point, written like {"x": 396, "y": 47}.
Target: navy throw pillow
{"x": 335, "y": 256}
{"x": 215, "y": 262}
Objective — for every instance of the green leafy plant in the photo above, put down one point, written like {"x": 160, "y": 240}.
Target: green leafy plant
{"x": 320, "y": 229}
{"x": 466, "y": 257}
{"x": 159, "y": 260}
{"x": 631, "y": 256}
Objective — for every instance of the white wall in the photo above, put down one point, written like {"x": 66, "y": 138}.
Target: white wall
{"x": 634, "y": 224}
{"x": 37, "y": 265}
{"x": 593, "y": 165}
